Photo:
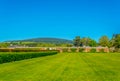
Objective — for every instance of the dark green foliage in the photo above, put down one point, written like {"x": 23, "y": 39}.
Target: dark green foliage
{"x": 116, "y": 41}
{"x": 25, "y": 50}
{"x": 85, "y": 41}
{"x": 101, "y": 51}
{"x": 77, "y": 41}
{"x": 21, "y": 56}
{"x": 93, "y": 50}
{"x": 4, "y": 45}
{"x": 81, "y": 49}
{"x": 92, "y": 43}
{"x": 5, "y": 50}
{"x": 73, "y": 49}
{"x": 65, "y": 49}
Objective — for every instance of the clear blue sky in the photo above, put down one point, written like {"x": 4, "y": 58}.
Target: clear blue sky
{"x": 21, "y": 19}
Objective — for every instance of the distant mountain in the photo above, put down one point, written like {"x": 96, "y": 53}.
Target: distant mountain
{"x": 45, "y": 40}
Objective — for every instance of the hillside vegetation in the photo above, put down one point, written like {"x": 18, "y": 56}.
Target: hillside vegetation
{"x": 46, "y": 40}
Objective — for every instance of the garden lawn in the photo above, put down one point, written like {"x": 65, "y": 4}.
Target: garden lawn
{"x": 64, "y": 67}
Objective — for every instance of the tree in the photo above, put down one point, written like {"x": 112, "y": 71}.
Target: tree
{"x": 77, "y": 41}
{"x": 93, "y": 43}
{"x": 116, "y": 40}
{"x": 87, "y": 41}
{"x": 104, "y": 41}
{"x": 4, "y": 45}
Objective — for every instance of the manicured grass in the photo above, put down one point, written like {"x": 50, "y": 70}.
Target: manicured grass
{"x": 64, "y": 67}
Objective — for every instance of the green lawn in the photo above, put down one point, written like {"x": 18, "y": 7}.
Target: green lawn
{"x": 64, "y": 67}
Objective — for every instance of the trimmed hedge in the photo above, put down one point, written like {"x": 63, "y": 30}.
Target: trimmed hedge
{"x": 5, "y": 50}
{"x": 73, "y": 49}
{"x": 93, "y": 50}
{"x": 25, "y": 50}
{"x": 102, "y": 51}
{"x": 65, "y": 49}
{"x": 9, "y": 57}
{"x": 81, "y": 49}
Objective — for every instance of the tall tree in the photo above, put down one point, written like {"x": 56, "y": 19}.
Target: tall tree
{"x": 77, "y": 41}
{"x": 92, "y": 43}
{"x": 104, "y": 41}
{"x": 116, "y": 40}
{"x": 86, "y": 41}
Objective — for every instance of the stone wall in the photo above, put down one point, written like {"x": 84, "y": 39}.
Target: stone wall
{"x": 87, "y": 49}
{"x": 70, "y": 49}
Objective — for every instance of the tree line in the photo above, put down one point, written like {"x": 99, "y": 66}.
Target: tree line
{"x": 104, "y": 41}
{"x": 33, "y": 44}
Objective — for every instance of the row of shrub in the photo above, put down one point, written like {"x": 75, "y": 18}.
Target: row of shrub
{"x": 93, "y": 50}
{"x": 16, "y": 56}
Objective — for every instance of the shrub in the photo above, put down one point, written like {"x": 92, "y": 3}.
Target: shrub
{"x": 21, "y": 56}
{"x": 25, "y": 50}
{"x": 65, "y": 49}
{"x": 73, "y": 49}
{"x": 101, "y": 51}
{"x": 5, "y": 50}
{"x": 81, "y": 50}
{"x": 93, "y": 50}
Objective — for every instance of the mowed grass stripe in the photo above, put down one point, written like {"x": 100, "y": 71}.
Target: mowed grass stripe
{"x": 93, "y": 67}
{"x": 56, "y": 67}
{"x": 28, "y": 69}
{"x": 103, "y": 66}
{"x": 64, "y": 67}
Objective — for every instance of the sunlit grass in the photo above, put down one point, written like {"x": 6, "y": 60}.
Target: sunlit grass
{"x": 64, "y": 67}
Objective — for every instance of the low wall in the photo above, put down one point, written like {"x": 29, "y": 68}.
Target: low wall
{"x": 61, "y": 49}
{"x": 85, "y": 49}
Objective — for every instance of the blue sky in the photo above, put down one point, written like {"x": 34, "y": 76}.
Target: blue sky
{"x": 22, "y": 19}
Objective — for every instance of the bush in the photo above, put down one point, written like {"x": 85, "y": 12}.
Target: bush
{"x": 73, "y": 49}
{"x": 101, "y": 51}
{"x": 93, "y": 50}
{"x": 25, "y": 50}
{"x": 5, "y": 50}
{"x": 81, "y": 50}
{"x": 21, "y": 56}
{"x": 65, "y": 49}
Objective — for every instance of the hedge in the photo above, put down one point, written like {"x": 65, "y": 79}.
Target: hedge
{"x": 81, "y": 49}
{"x": 9, "y": 57}
{"x": 73, "y": 49}
{"x": 65, "y": 49}
{"x": 93, "y": 50}
{"x": 102, "y": 51}
{"x": 24, "y": 50}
